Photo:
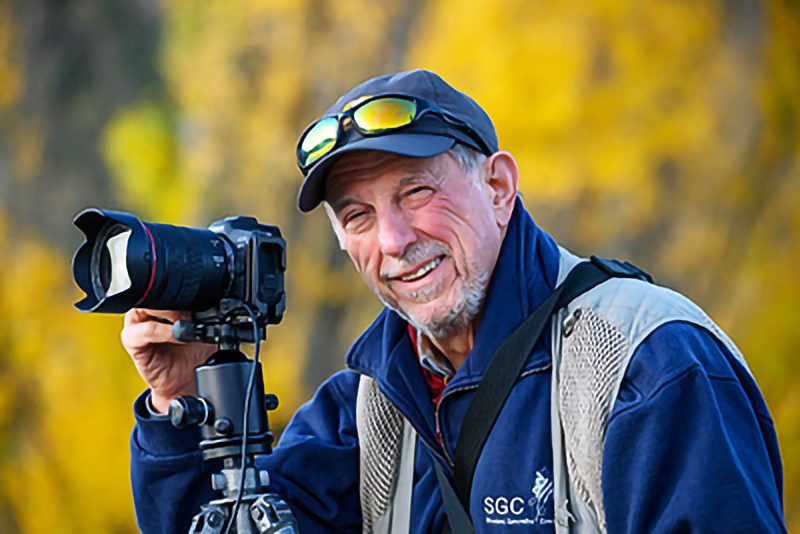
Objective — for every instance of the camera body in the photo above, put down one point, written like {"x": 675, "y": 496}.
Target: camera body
{"x": 256, "y": 278}
{"x": 221, "y": 274}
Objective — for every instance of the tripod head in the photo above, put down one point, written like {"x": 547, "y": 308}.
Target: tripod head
{"x": 219, "y": 407}
{"x": 235, "y": 428}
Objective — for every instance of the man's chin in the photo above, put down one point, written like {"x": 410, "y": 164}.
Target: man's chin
{"x": 425, "y": 312}
{"x": 436, "y": 317}
{"x": 439, "y": 321}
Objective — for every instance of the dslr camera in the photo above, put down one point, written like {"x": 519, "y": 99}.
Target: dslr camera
{"x": 216, "y": 273}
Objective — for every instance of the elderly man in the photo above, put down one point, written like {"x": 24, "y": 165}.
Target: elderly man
{"x": 632, "y": 412}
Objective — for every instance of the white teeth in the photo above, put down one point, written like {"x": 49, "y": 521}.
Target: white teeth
{"x": 422, "y": 271}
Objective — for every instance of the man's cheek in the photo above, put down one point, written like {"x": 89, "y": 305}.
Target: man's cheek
{"x": 371, "y": 278}
{"x": 363, "y": 262}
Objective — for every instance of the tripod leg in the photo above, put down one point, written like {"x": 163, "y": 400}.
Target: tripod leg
{"x": 272, "y": 515}
{"x": 210, "y": 520}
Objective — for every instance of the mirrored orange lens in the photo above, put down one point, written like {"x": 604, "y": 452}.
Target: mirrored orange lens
{"x": 385, "y": 114}
{"x": 318, "y": 141}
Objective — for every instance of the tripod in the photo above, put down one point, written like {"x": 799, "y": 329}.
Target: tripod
{"x": 219, "y": 409}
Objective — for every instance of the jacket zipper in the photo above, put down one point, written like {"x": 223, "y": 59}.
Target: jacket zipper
{"x": 440, "y": 429}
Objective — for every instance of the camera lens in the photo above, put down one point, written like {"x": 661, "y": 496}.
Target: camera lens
{"x": 126, "y": 263}
{"x": 109, "y": 271}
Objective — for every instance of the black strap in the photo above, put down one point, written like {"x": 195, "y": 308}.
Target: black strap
{"x": 506, "y": 366}
{"x": 458, "y": 520}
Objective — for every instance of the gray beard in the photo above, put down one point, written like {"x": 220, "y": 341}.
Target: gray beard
{"x": 464, "y": 312}
{"x": 459, "y": 318}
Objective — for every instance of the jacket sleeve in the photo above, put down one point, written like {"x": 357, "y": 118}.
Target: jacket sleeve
{"x": 168, "y": 477}
{"x": 690, "y": 445}
{"x": 314, "y": 467}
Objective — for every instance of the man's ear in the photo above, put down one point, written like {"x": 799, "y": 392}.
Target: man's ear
{"x": 502, "y": 178}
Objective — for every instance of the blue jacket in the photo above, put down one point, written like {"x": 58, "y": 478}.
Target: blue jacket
{"x": 690, "y": 444}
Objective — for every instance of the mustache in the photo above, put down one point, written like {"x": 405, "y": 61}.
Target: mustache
{"x": 413, "y": 256}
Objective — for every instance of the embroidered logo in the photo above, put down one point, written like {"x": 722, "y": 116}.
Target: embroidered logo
{"x": 542, "y": 494}
{"x": 519, "y": 510}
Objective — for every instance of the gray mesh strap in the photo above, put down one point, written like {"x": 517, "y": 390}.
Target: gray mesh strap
{"x": 593, "y": 351}
{"x": 381, "y": 431}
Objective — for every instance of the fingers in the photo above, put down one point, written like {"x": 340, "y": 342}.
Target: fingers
{"x": 140, "y": 315}
{"x": 136, "y": 335}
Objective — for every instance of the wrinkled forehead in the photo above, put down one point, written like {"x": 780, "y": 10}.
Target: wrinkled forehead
{"x": 360, "y": 170}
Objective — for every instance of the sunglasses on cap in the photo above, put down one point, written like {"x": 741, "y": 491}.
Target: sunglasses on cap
{"x": 373, "y": 116}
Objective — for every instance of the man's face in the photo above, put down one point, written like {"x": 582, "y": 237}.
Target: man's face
{"x": 421, "y": 232}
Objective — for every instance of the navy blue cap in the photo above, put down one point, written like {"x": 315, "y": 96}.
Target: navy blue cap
{"x": 429, "y": 136}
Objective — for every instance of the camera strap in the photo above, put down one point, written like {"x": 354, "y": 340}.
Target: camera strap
{"x": 500, "y": 376}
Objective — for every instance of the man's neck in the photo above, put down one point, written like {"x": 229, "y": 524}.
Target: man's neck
{"x": 456, "y": 347}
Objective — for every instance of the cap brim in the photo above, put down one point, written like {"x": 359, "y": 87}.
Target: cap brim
{"x": 312, "y": 191}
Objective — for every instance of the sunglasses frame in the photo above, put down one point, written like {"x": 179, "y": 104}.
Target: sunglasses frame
{"x": 423, "y": 107}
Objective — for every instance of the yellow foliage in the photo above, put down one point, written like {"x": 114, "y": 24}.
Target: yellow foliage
{"x": 71, "y": 377}
{"x": 141, "y": 152}
{"x": 644, "y": 130}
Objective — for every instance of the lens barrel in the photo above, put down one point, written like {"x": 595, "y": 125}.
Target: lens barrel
{"x": 126, "y": 263}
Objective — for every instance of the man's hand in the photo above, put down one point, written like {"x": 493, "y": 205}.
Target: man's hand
{"x": 165, "y": 364}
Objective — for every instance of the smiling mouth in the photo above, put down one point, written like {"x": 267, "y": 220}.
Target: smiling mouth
{"x": 421, "y": 272}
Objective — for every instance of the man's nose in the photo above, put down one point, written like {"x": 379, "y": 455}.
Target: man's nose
{"x": 395, "y": 232}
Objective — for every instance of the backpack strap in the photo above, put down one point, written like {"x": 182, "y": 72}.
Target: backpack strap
{"x": 458, "y": 520}
{"x": 506, "y": 365}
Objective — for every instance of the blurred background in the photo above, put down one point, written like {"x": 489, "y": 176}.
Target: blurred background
{"x": 663, "y": 132}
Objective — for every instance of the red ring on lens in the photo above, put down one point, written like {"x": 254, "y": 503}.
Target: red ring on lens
{"x": 153, "y": 270}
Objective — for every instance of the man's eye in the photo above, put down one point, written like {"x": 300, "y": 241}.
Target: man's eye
{"x": 419, "y": 192}
{"x": 352, "y": 218}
